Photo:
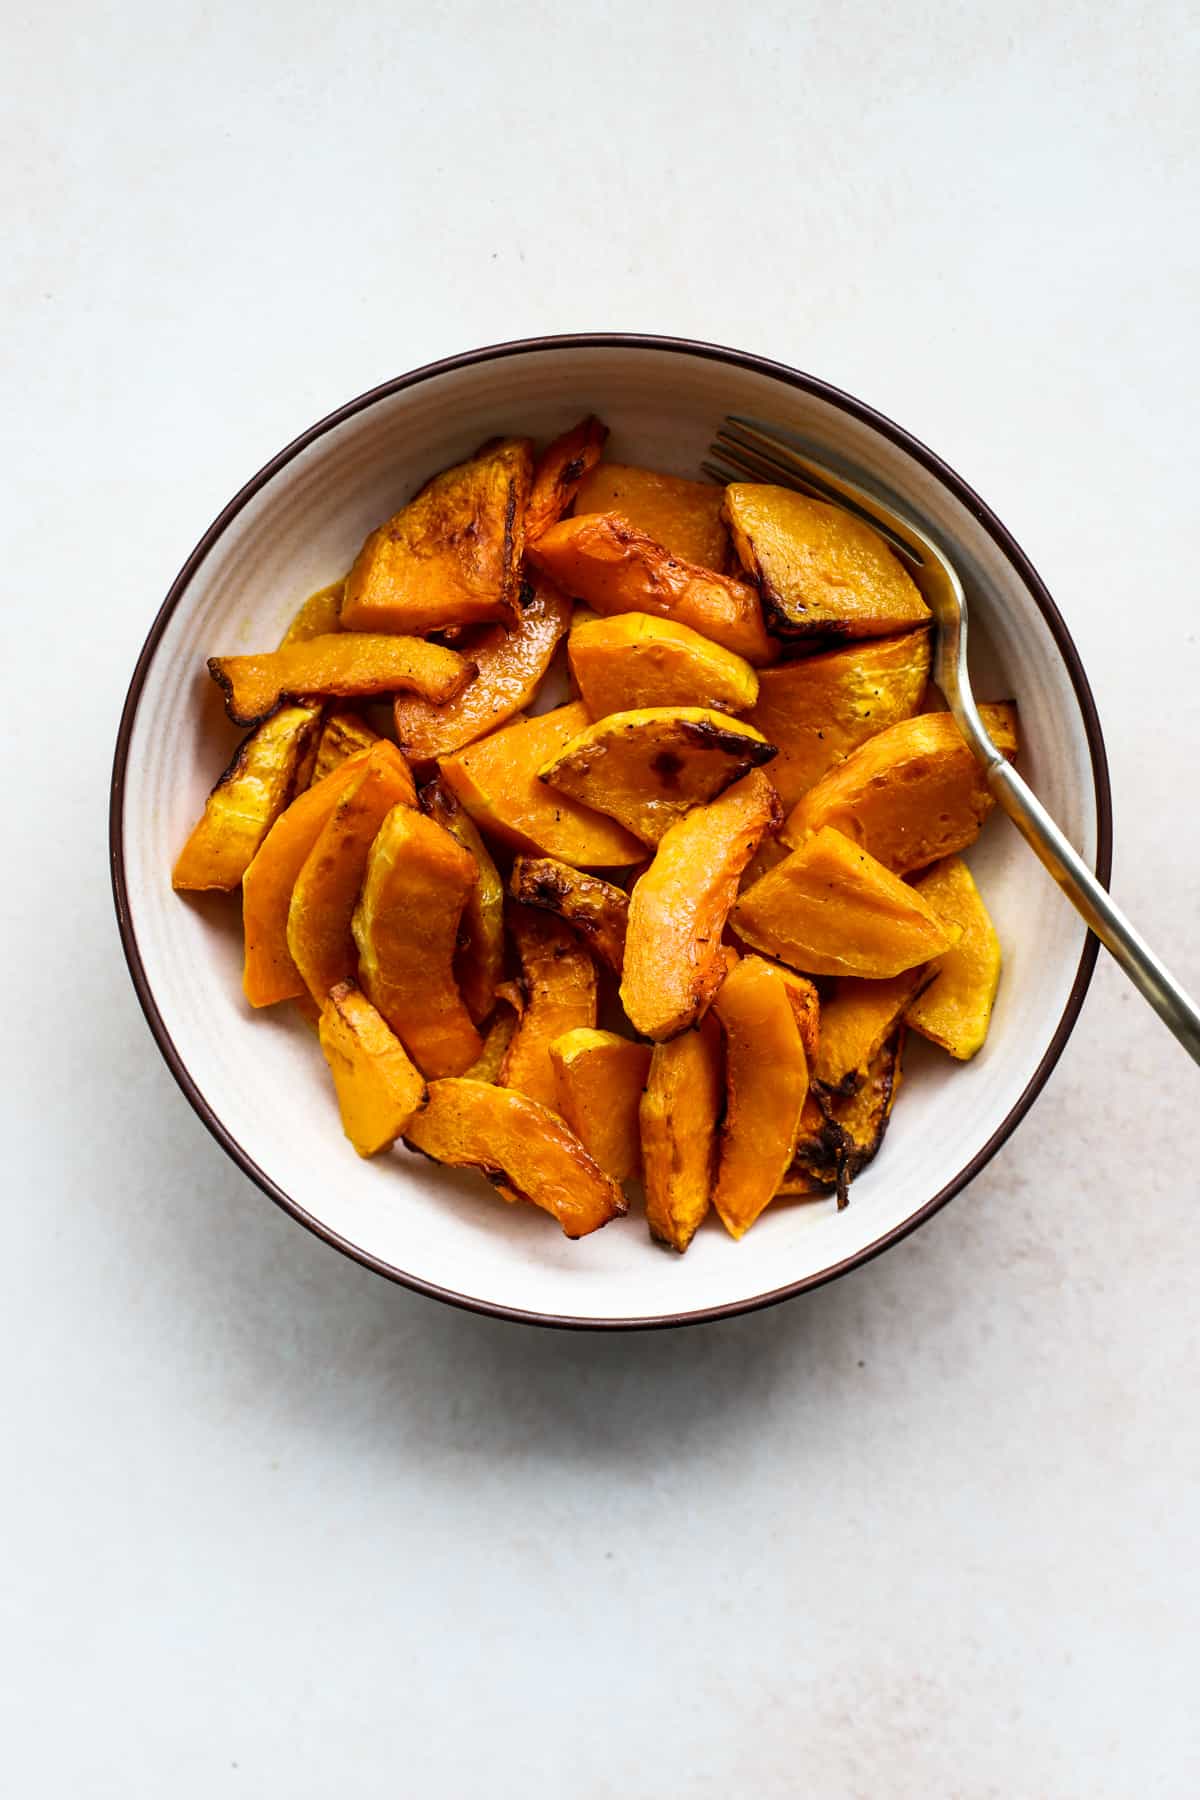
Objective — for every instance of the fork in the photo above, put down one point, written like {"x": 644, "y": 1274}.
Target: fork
{"x": 745, "y": 449}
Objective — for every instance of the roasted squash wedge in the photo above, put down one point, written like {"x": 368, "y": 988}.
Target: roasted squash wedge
{"x": 648, "y": 768}
{"x": 320, "y": 614}
{"x": 806, "y": 1009}
{"x": 378, "y": 1088}
{"x": 270, "y": 974}
{"x": 830, "y": 909}
{"x": 597, "y": 910}
{"x": 840, "y": 1133}
{"x": 504, "y": 1021}
{"x": 821, "y": 571}
{"x": 526, "y": 1151}
{"x": 558, "y": 986}
{"x": 956, "y": 1008}
{"x": 343, "y": 734}
{"x": 452, "y": 556}
{"x": 909, "y": 796}
{"x": 820, "y": 708}
{"x": 260, "y": 781}
{"x": 510, "y": 664}
{"x": 677, "y": 911}
{"x": 600, "y": 1078}
{"x": 679, "y": 1116}
{"x": 558, "y": 473}
{"x": 479, "y": 959}
{"x": 323, "y": 900}
{"x": 344, "y": 663}
{"x": 766, "y": 1081}
{"x": 856, "y": 1020}
{"x": 406, "y": 928}
{"x": 637, "y": 660}
{"x": 496, "y": 780}
{"x": 599, "y": 558}
{"x": 683, "y": 516}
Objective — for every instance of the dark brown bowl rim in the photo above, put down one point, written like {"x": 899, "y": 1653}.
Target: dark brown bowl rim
{"x": 809, "y": 384}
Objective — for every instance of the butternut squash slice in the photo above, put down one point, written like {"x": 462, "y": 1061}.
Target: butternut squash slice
{"x": 378, "y": 1088}
{"x": 320, "y": 614}
{"x": 821, "y": 571}
{"x": 600, "y": 1078}
{"x": 841, "y": 1133}
{"x": 452, "y": 556}
{"x": 343, "y": 734}
{"x": 497, "y": 1038}
{"x": 479, "y": 958}
{"x": 909, "y": 796}
{"x": 558, "y": 986}
{"x": 856, "y": 1020}
{"x": 406, "y": 929}
{"x": 258, "y": 784}
{"x": 677, "y": 912}
{"x": 510, "y": 665}
{"x": 683, "y": 516}
{"x": 559, "y": 472}
{"x": 344, "y": 663}
{"x": 678, "y": 1118}
{"x": 766, "y": 1081}
{"x": 956, "y": 1008}
{"x": 819, "y": 709}
{"x": 319, "y": 937}
{"x": 496, "y": 780}
{"x": 597, "y": 910}
{"x": 637, "y": 660}
{"x": 830, "y": 909}
{"x": 599, "y": 558}
{"x": 648, "y": 768}
{"x": 526, "y": 1151}
{"x": 270, "y": 974}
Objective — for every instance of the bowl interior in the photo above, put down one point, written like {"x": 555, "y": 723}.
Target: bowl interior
{"x": 262, "y": 1076}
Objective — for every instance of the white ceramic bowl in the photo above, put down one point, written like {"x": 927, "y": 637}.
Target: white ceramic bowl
{"x": 259, "y": 1082}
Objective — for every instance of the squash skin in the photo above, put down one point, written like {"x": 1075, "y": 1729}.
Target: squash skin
{"x": 343, "y": 734}
{"x": 406, "y": 928}
{"x": 317, "y": 616}
{"x": 598, "y": 558}
{"x": 558, "y": 986}
{"x": 841, "y": 1133}
{"x": 496, "y": 780}
{"x": 678, "y": 1119}
{"x": 821, "y": 571}
{"x": 766, "y": 1083}
{"x": 526, "y": 1151}
{"x": 830, "y": 909}
{"x": 909, "y": 796}
{"x": 559, "y": 473}
{"x": 510, "y": 664}
{"x": 267, "y": 770}
{"x": 678, "y": 908}
{"x": 347, "y": 664}
{"x": 685, "y": 517}
{"x": 479, "y": 958}
{"x": 596, "y": 909}
{"x": 646, "y": 769}
{"x": 820, "y": 708}
{"x": 857, "y": 1019}
{"x": 634, "y": 660}
{"x": 452, "y": 556}
{"x": 955, "y": 1010}
{"x": 378, "y": 1087}
{"x": 600, "y": 1077}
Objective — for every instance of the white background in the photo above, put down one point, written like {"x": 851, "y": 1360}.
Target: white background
{"x": 273, "y": 1528}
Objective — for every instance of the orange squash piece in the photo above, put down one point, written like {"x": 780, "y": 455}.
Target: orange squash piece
{"x": 344, "y": 663}
{"x": 956, "y": 1008}
{"x": 510, "y": 665}
{"x": 268, "y": 768}
{"x": 830, "y": 909}
{"x": 479, "y": 959}
{"x": 841, "y": 1133}
{"x": 320, "y": 614}
{"x": 496, "y": 780}
{"x": 819, "y": 709}
{"x": 600, "y": 1077}
{"x": 821, "y": 571}
{"x": 559, "y": 472}
{"x": 679, "y": 1116}
{"x": 497, "y": 1038}
{"x": 856, "y": 1020}
{"x": 526, "y": 1151}
{"x": 677, "y": 912}
{"x": 378, "y": 1088}
{"x": 406, "y": 928}
{"x": 683, "y": 516}
{"x": 558, "y": 985}
{"x": 637, "y": 660}
{"x": 343, "y": 734}
{"x": 596, "y": 909}
{"x": 601, "y": 559}
{"x": 323, "y": 899}
{"x": 766, "y": 1081}
{"x": 909, "y": 796}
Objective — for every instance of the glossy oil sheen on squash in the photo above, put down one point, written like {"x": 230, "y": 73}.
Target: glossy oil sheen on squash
{"x": 559, "y": 473}
{"x": 636, "y": 660}
{"x": 766, "y": 1081}
{"x": 683, "y": 516}
{"x": 596, "y": 909}
{"x": 268, "y": 769}
{"x": 558, "y": 985}
{"x": 346, "y": 664}
{"x": 678, "y": 1119}
{"x": 955, "y": 1009}
{"x": 600, "y": 1077}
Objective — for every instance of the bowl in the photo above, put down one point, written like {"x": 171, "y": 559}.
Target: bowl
{"x": 259, "y": 1082}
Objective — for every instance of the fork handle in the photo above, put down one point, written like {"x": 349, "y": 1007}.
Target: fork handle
{"x": 1091, "y": 900}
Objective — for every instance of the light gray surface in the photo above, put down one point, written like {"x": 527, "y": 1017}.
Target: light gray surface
{"x": 275, "y": 1528}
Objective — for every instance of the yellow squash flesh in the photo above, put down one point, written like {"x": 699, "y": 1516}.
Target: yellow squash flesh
{"x": 956, "y": 1008}
{"x": 637, "y": 660}
{"x": 479, "y": 958}
{"x": 343, "y": 734}
{"x": 679, "y": 1116}
{"x": 266, "y": 772}
{"x": 558, "y": 989}
{"x": 596, "y": 909}
{"x": 378, "y": 1087}
{"x": 347, "y": 664}
{"x": 683, "y": 516}
{"x": 600, "y": 1077}
{"x": 766, "y": 1081}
